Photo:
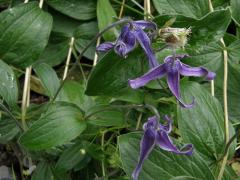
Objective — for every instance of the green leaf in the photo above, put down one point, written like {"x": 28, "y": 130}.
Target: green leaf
{"x": 160, "y": 162}
{"x": 209, "y": 56}
{"x": 8, "y": 84}
{"x": 106, "y": 116}
{"x": 210, "y": 28}
{"x": 56, "y": 50}
{"x": 8, "y": 130}
{"x": 112, "y": 73}
{"x": 233, "y": 89}
{"x": 24, "y": 33}
{"x": 202, "y": 125}
{"x": 43, "y": 171}
{"x": 48, "y": 78}
{"x": 105, "y": 15}
{"x": 235, "y": 7}
{"x": 78, "y": 9}
{"x": 60, "y": 124}
{"x": 83, "y": 35}
{"x": 73, "y": 92}
{"x": 71, "y": 157}
{"x": 189, "y": 8}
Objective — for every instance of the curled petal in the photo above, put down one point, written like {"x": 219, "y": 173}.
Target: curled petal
{"x": 170, "y": 59}
{"x": 151, "y": 123}
{"x": 146, "y": 146}
{"x": 121, "y": 49}
{"x": 126, "y": 42}
{"x": 154, "y": 73}
{"x": 165, "y": 143}
{"x": 186, "y": 70}
{"x": 145, "y": 24}
{"x": 145, "y": 43}
{"x": 173, "y": 78}
{"x": 105, "y": 47}
{"x": 166, "y": 127}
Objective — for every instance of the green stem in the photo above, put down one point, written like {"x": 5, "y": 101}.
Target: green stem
{"x": 5, "y": 109}
{"x": 103, "y": 164}
{"x": 130, "y": 8}
{"x": 85, "y": 49}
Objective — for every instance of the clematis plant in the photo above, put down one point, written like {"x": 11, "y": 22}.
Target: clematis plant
{"x": 131, "y": 34}
{"x": 172, "y": 68}
{"x": 157, "y": 134}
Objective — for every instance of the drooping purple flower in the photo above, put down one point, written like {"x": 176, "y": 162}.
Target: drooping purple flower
{"x": 157, "y": 134}
{"x": 131, "y": 34}
{"x": 172, "y": 68}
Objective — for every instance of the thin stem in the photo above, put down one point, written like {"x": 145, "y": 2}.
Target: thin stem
{"x": 212, "y": 81}
{"x": 122, "y": 21}
{"x": 103, "y": 164}
{"x": 41, "y": 3}
{"x": 68, "y": 58}
{"x": 212, "y": 87}
{"x": 139, "y": 121}
{"x": 147, "y": 9}
{"x": 130, "y": 8}
{"x": 79, "y": 65}
{"x": 139, "y": 5}
{"x": 25, "y": 98}
{"x": 5, "y": 109}
{"x": 121, "y": 10}
{"x": 96, "y": 55}
{"x": 225, "y": 106}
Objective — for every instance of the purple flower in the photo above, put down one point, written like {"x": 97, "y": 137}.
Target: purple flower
{"x": 156, "y": 133}
{"x": 132, "y": 33}
{"x": 172, "y": 69}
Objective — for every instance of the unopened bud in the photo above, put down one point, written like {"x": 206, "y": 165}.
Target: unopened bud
{"x": 82, "y": 151}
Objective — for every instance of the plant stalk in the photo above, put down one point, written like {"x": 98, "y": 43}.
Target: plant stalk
{"x": 68, "y": 58}
{"x": 225, "y": 106}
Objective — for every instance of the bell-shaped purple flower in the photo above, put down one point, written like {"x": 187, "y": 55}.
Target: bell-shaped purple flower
{"x": 131, "y": 34}
{"x": 172, "y": 68}
{"x": 157, "y": 134}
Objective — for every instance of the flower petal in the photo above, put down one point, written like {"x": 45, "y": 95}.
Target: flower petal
{"x": 151, "y": 123}
{"x": 145, "y": 43}
{"x": 165, "y": 143}
{"x": 173, "y": 79}
{"x": 105, "y": 47}
{"x": 145, "y": 24}
{"x": 154, "y": 73}
{"x": 187, "y": 70}
{"x": 146, "y": 146}
{"x": 166, "y": 127}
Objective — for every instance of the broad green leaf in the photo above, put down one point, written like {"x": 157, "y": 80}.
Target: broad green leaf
{"x": 161, "y": 163}
{"x": 60, "y": 124}
{"x": 209, "y": 56}
{"x": 8, "y": 84}
{"x": 105, "y": 16}
{"x": 112, "y": 73}
{"x": 235, "y": 7}
{"x": 73, "y": 92}
{"x": 233, "y": 89}
{"x": 48, "y": 78}
{"x": 43, "y": 171}
{"x": 233, "y": 51}
{"x": 106, "y": 116}
{"x": 83, "y": 35}
{"x": 8, "y": 130}
{"x": 189, "y": 8}
{"x": 56, "y": 50}
{"x": 208, "y": 29}
{"x": 202, "y": 125}
{"x": 78, "y": 9}
{"x": 24, "y": 33}
{"x": 71, "y": 157}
